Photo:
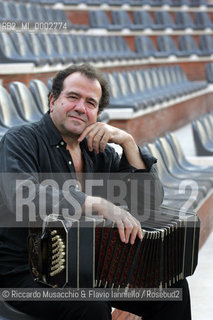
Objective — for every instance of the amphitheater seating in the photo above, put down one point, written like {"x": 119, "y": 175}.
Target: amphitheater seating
{"x": 202, "y": 20}
{"x": 145, "y": 48}
{"x": 167, "y": 44}
{"x": 36, "y": 47}
{"x": 197, "y": 3}
{"x": 24, "y": 102}
{"x": 144, "y": 20}
{"x": 175, "y": 195}
{"x": 9, "y": 114}
{"x": 183, "y": 20}
{"x": 98, "y": 19}
{"x": 174, "y": 168}
{"x": 153, "y": 3}
{"x": 206, "y": 43}
{"x": 203, "y": 137}
{"x": 146, "y": 87}
{"x": 42, "y": 48}
{"x": 31, "y": 13}
{"x": 9, "y": 54}
{"x": 19, "y": 42}
{"x": 164, "y": 19}
{"x": 122, "y": 19}
{"x": 181, "y": 159}
{"x": 141, "y": 90}
{"x": 187, "y": 44}
{"x": 209, "y": 72}
{"x": 40, "y": 94}
{"x": 167, "y": 154}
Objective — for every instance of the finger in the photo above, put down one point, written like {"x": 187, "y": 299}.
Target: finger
{"x": 128, "y": 228}
{"x": 134, "y": 234}
{"x": 93, "y": 139}
{"x": 139, "y": 229}
{"x": 97, "y": 141}
{"x": 121, "y": 232}
{"x": 140, "y": 233}
{"x": 136, "y": 229}
{"x": 86, "y": 131}
{"x": 103, "y": 141}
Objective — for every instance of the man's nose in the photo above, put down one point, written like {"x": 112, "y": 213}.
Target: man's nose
{"x": 80, "y": 106}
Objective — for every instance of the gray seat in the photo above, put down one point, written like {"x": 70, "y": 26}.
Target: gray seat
{"x": 49, "y": 49}
{"x": 165, "y": 149}
{"x": 202, "y": 20}
{"x": 9, "y": 116}
{"x": 116, "y": 98}
{"x": 167, "y": 44}
{"x": 23, "y": 49}
{"x": 183, "y": 20}
{"x": 197, "y": 3}
{"x": 24, "y": 102}
{"x": 80, "y": 47}
{"x": 209, "y": 72}
{"x": 35, "y": 46}
{"x": 174, "y": 193}
{"x": 144, "y": 19}
{"x": 60, "y": 49}
{"x": 203, "y": 146}
{"x": 206, "y": 43}
{"x": 145, "y": 48}
{"x": 99, "y": 19}
{"x": 13, "y": 12}
{"x": 168, "y": 180}
{"x": 163, "y": 18}
{"x": 8, "y": 52}
{"x": 159, "y": 3}
{"x": 4, "y": 14}
{"x": 123, "y": 19}
{"x": 7, "y": 312}
{"x": 187, "y": 44}
{"x": 40, "y": 93}
{"x": 69, "y": 46}
{"x": 182, "y": 161}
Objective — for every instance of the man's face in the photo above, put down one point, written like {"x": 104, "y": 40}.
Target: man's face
{"x": 77, "y": 105}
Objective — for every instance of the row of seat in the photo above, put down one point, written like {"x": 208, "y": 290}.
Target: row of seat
{"x": 43, "y": 48}
{"x": 22, "y": 13}
{"x": 143, "y": 88}
{"x": 209, "y": 72}
{"x": 137, "y": 89}
{"x": 202, "y": 129}
{"x": 166, "y": 46}
{"x": 142, "y": 20}
{"x": 23, "y": 105}
{"x": 185, "y": 185}
{"x": 153, "y": 3}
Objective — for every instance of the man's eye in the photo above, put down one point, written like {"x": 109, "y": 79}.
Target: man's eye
{"x": 91, "y": 104}
{"x": 72, "y": 97}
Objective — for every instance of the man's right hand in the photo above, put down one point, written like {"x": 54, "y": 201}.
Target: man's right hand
{"x": 128, "y": 227}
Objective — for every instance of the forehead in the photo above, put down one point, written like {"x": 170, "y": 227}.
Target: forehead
{"x": 79, "y": 83}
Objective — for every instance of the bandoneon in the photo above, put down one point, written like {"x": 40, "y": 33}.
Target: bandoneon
{"x": 89, "y": 253}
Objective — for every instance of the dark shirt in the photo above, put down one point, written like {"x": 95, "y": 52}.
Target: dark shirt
{"x": 39, "y": 148}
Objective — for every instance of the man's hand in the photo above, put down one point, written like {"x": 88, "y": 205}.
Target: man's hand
{"x": 99, "y": 134}
{"x": 128, "y": 226}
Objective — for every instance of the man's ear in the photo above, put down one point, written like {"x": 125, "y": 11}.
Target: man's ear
{"x": 51, "y": 100}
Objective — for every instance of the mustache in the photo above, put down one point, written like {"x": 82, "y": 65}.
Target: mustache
{"x": 78, "y": 115}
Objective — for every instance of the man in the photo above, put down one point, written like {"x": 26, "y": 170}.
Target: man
{"x": 69, "y": 140}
